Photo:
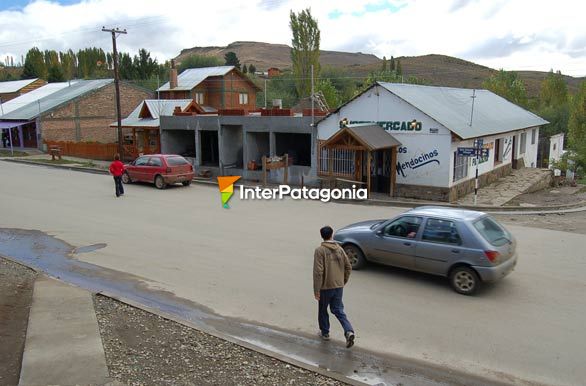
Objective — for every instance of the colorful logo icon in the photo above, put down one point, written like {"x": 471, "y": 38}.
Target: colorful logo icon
{"x": 226, "y": 185}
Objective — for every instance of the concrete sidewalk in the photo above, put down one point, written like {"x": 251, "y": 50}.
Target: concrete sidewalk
{"x": 63, "y": 344}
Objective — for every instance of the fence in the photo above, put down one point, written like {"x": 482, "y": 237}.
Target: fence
{"x": 336, "y": 162}
{"x": 90, "y": 150}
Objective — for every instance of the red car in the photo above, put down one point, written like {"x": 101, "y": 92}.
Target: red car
{"x": 160, "y": 169}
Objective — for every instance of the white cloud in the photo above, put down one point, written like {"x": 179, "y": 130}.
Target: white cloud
{"x": 513, "y": 34}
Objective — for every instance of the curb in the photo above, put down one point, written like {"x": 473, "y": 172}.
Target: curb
{"x": 579, "y": 206}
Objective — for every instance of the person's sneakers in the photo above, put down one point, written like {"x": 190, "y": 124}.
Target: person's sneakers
{"x": 324, "y": 336}
{"x": 349, "y": 339}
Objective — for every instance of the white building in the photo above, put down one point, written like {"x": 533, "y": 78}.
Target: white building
{"x": 427, "y": 163}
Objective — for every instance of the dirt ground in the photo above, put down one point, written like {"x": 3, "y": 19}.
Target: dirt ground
{"x": 562, "y": 195}
{"x": 145, "y": 349}
{"x": 16, "y": 290}
{"x": 568, "y": 222}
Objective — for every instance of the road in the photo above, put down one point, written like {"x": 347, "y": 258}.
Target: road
{"x": 254, "y": 261}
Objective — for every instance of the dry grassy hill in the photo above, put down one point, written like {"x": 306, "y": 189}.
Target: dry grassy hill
{"x": 437, "y": 70}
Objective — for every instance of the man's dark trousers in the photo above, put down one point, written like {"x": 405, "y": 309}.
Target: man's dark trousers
{"x": 119, "y": 187}
{"x": 333, "y": 299}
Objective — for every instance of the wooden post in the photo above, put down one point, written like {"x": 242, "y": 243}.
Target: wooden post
{"x": 393, "y": 170}
{"x": 368, "y": 173}
{"x": 264, "y": 170}
{"x": 286, "y": 169}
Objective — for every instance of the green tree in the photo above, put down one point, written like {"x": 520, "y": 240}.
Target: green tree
{"x": 279, "y": 87}
{"x": 55, "y": 74}
{"x": 68, "y": 64}
{"x": 508, "y": 85}
{"x": 34, "y": 65}
{"x": 251, "y": 69}
{"x": 304, "y": 49}
{"x": 230, "y": 59}
{"x": 199, "y": 61}
{"x": 392, "y": 64}
{"x": 342, "y": 80}
{"x": 244, "y": 69}
{"x": 329, "y": 91}
{"x": 577, "y": 125}
{"x": 145, "y": 66}
{"x": 398, "y": 68}
{"x": 385, "y": 65}
{"x": 554, "y": 90}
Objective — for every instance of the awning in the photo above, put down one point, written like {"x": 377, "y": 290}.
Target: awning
{"x": 369, "y": 137}
{"x": 8, "y": 124}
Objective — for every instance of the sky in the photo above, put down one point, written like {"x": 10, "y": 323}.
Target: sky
{"x": 514, "y": 34}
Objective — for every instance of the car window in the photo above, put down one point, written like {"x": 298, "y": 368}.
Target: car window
{"x": 406, "y": 226}
{"x": 155, "y": 161}
{"x": 176, "y": 161}
{"x": 441, "y": 231}
{"x": 141, "y": 161}
{"x": 492, "y": 231}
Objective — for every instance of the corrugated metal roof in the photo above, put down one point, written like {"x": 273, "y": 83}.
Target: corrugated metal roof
{"x": 14, "y": 85}
{"x": 157, "y": 108}
{"x": 50, "y": 102}
{"x": 191, "y": 77}
{"x": 374, "y": 136}
{"x": 32, "y": 96}
{"x": 452, "y": 107}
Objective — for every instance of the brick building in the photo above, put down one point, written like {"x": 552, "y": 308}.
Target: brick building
{"x": 80, "y": 112}
{"x": 223, "y": 87}
{"x": 15, "y": 88}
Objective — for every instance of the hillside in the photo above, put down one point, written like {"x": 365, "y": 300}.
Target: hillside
{"x": 435, "y": 69}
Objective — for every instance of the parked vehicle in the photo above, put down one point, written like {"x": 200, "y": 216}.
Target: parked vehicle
{"x": 468, "y": 247}
{"x": 160, "y": 169}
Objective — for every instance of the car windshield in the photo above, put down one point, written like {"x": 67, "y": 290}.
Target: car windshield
{"x": 176, "y": 161}
{"x": 492, "y": 231}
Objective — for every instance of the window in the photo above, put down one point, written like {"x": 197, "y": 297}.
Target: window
{"x": 492, "y": 231}
{"x": 533, "y": 135}
{"x": 155, "y": 161}
{"x": 460, "y": 167}
{"x": 523, "y": 143}
{"x": 441, "y": 231}
{"x": 176, "y": 161}
{"x": 406, "y": 226}
{"x": 199, "y": 98}
{"x": 141, "y": 161}
{"x": 243, "y": 98}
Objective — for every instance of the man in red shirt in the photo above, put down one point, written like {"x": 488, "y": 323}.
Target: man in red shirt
{"x": 116, "y": 170}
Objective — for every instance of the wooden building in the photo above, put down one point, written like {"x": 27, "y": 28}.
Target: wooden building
{"x": 223, "y": 87}
{"x": 15, "y": 88}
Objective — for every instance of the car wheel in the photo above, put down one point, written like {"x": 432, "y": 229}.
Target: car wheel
{"x": 355, "y": 255}
{"x": 464, "y": 280}
{"x": 160, "y": 182}
{"x": 186, "y": 183}
{"x": 126, "y": 178}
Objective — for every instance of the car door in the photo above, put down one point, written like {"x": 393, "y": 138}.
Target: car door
{"x": 155, "y": 166}
{"x": 137, "y": 169}
{"x": 440, "y": 245}
{"x": 395, "y": 241}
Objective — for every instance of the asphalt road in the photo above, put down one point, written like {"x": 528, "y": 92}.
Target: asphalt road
{"x": 254, "y": 262}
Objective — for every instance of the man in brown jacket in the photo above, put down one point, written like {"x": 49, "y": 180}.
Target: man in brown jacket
{"x": 331, "y": 271}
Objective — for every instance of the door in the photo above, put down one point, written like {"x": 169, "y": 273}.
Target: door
{"x": 154, "y": 167}
{"x": 439, "y": 247}
{"x": 394, "y": 243}
{"x": 138, "y": 169}
{"x": 514, "y": 155}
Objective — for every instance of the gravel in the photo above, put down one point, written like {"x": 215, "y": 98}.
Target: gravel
{"x": 145, "y": 349}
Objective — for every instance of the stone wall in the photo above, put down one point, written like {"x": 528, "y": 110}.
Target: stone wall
{"x": 462, "y": 189}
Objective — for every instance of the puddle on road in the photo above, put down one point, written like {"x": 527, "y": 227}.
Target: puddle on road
{"x": 54, "y": 257}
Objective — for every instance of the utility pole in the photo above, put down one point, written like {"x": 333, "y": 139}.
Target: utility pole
{"x": 114, "y": 32}
{"x": 472, "y": 111}
{"x": 265, "y": 92}
{"x": 312, "y": 98}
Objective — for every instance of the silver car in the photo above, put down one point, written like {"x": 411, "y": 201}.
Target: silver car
{"x": 468, "y": 247}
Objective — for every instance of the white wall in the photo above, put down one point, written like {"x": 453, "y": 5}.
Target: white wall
{"x": 530, "y": 154}
{"x": 556, "y": 148}
{"x": 423, "y": 158}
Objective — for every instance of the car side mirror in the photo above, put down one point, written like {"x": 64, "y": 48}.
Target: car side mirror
{"x": 379, "y": 232}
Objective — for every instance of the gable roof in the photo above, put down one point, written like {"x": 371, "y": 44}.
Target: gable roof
{"x": 31, "y": 96}
{"x": 156, "y": 108}
{"x": 191, "y": 77}
{"x": 15, "y": 85}
{"x": 370, "y": 136}
{"x": 56, "y": 99}
{"x": 452, "y": 108}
